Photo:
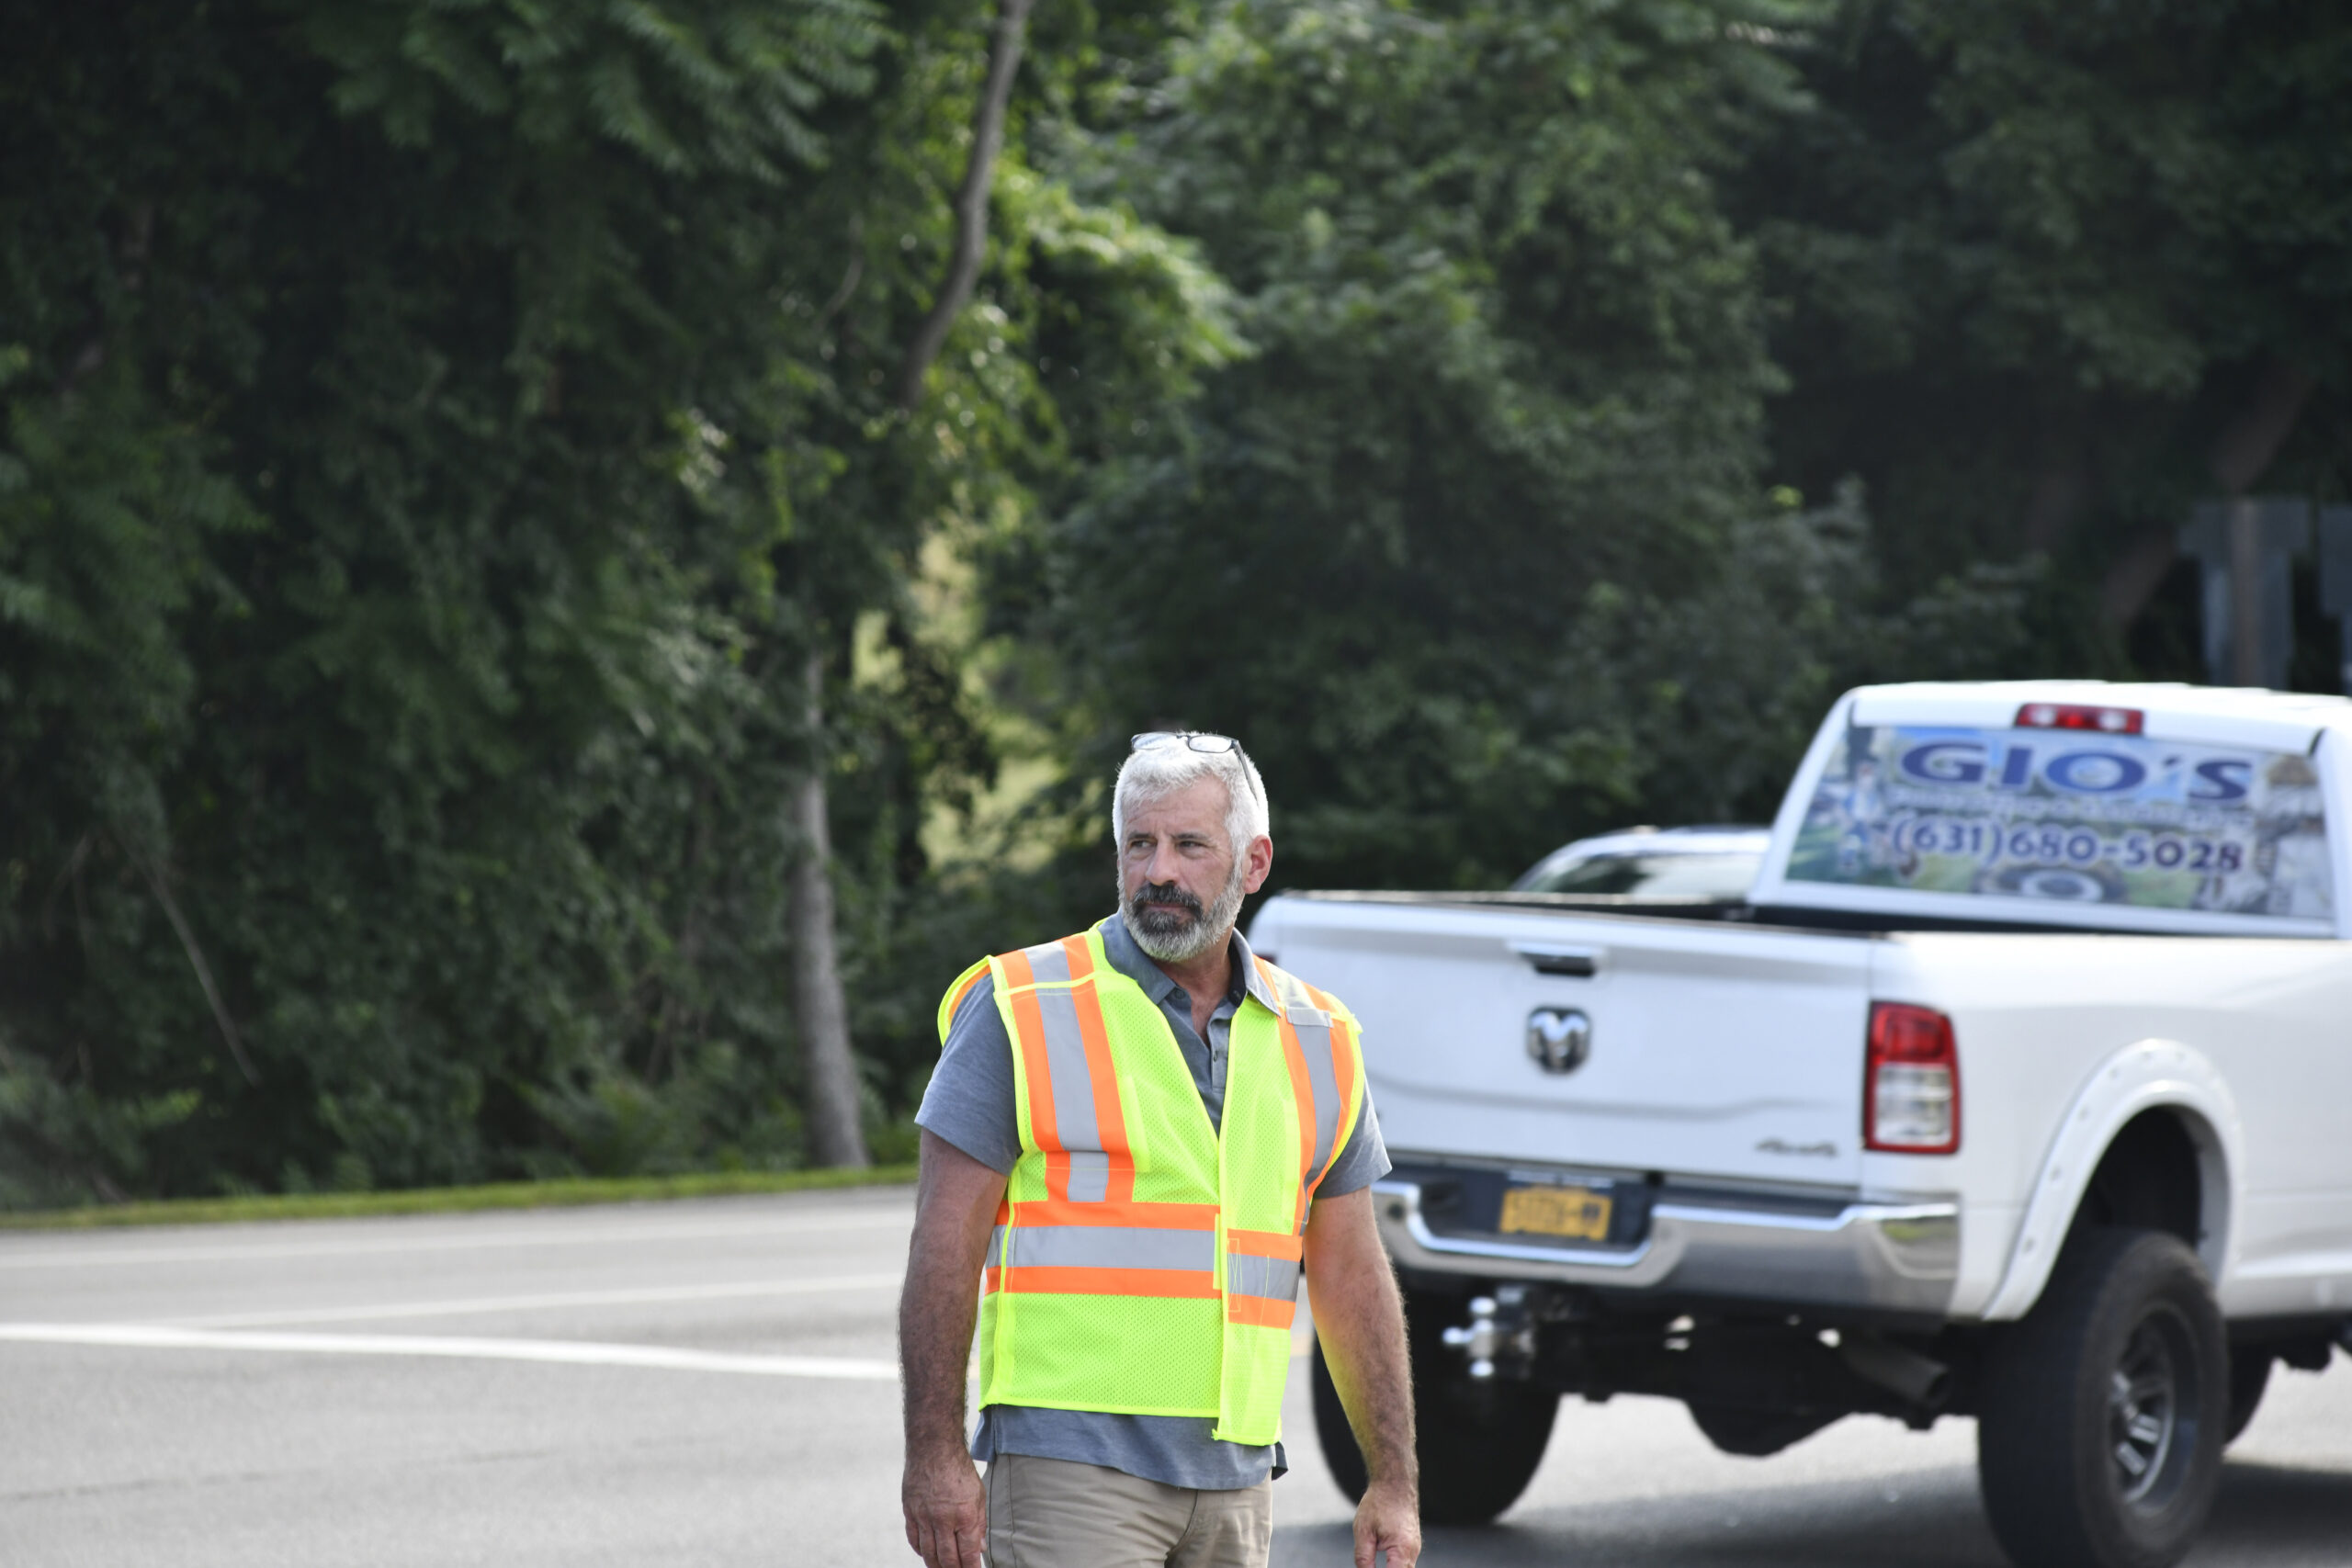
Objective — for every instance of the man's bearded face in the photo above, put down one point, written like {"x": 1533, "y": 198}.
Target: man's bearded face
{"x": 1181, "y": 882}
{"x": 1169, "y": 923}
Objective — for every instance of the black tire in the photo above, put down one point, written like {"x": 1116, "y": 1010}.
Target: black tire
{"x": 2098, "y": 1441}
{"x": 1479, "y": 1442}
{"x": 2249, "y": 1375}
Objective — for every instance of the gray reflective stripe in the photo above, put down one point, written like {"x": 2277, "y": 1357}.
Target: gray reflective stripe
{"x": 1313, "y": 1029}
{"x": 1249, "y": 1275}
{"x": 1066, "y": 1065}
{"x": 1299, "y": 1004}
{"x": 1315, "y": 1044}
{"x": 1112, "y": 1246}
{"x": 1048, "y": 963}
{"x": 1090, "y": 1174}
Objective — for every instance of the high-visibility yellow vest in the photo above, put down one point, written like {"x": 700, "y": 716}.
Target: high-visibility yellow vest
{"x": 1145, "y": 1261}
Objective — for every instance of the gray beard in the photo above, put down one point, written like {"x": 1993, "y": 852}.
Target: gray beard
{"x": 1179, "y": 937}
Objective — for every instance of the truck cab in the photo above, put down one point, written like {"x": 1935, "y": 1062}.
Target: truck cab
{"x": 2013, "y": 1089}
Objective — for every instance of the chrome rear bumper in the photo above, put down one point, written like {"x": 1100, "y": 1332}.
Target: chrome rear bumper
{"x": 1886, "y": 1257}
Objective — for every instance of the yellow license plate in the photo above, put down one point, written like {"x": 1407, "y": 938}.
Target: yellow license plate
{"x": 1556, "y": 1210}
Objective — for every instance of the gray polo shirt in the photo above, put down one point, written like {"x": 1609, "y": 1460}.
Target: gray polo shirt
{"x": 970, "y": 1104}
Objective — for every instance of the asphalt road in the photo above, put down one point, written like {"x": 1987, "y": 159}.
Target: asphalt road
{"x": 709, "y": 1382}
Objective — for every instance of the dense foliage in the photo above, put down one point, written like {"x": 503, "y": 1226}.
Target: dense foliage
{"x": 1461, "y": 548}
{"x": 437, "y": 437}
{"x": 2050, "y": 272}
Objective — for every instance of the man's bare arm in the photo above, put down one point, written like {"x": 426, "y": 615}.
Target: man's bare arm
{"x": 956, "y": 1199}
{"x": 1360, "y": 1319}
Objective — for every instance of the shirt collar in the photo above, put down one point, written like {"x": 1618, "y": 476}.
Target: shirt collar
{"x": 1119, "y": 947}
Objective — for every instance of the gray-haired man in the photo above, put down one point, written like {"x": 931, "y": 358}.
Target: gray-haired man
{"x": 1132, "y": 1380}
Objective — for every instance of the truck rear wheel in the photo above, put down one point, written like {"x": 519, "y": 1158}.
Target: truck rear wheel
{"x": 2098, "y": 1442}
{"x": 1478, "y": 1441}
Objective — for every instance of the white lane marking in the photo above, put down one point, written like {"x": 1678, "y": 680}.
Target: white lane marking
{"x": 155, "y": 1336}
{"x": 879, "y": 1217}
{"x": 466, "y": 1306}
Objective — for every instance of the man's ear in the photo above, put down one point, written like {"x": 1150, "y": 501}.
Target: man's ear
{"x": 1259, "y": 861}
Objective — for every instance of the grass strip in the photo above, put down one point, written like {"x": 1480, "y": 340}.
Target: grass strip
{"x": 451, "y": 1200}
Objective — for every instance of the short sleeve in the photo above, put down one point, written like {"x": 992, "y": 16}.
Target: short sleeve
{"x": 970, "y": 1100}
{"x": 1363, "y": 1159}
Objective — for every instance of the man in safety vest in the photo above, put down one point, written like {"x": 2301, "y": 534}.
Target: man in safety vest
{"x": 1136, "y": 1140}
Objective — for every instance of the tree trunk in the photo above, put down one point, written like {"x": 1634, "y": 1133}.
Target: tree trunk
{"x": 834, "y": 1103}
{"x": 2059, "y": 491}
{"x": 971, "y": 202}
{"x": 2253, "y": 439}
{"x": 834, "y": 1106}
{"x": 2238, "y": 458}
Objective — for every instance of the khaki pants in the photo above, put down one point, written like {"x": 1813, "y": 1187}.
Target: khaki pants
{"x": 1056, "y": 1513}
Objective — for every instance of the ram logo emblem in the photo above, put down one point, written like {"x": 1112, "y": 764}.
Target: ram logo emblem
{"x": 1559, "y": 1039}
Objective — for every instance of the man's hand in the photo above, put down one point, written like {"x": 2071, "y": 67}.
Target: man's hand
{"x": 956, "y": 1204}
{"x": 1361, "y": 1321}
{"x": 1389, "y": 1520}
{"x": 948, "y": 1513}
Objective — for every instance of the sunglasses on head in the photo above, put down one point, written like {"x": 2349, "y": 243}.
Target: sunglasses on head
{"x": 1197, "y": 740}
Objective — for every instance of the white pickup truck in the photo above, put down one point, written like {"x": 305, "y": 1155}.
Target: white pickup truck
{"x": 2019, "y": 1087}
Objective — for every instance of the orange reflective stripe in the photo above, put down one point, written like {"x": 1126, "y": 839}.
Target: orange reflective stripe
{"x": 1343, "y": 1061}
{"x": 1029, "y": 1032}
{"x": 1261, "y": 1311}
{"x": 1109, "y": 1122}
{"x": 1138, "y": 1216}
{"x": 1194, "y": 1284}
{"x": 1266, "y": 973}
{"x": 1264, "y": 1243}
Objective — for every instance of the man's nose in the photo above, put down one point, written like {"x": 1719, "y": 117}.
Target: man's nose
{"x": 1161, "y": 867}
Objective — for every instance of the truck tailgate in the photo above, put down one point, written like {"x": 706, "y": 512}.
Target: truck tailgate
{"x": 1713, "y": 1050}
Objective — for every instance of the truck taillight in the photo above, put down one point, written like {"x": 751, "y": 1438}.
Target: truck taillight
{"x": 1911, "y": 1086}
{"x": 2081, "y": 716}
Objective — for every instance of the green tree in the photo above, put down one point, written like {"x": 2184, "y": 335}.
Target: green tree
{"x": 2049, "y": 272}
{"x": 1508, "y": 363}
{"x": 441, "y": 444}
{"x": 508, "y": 509}
{"x": 411, "y": 340}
